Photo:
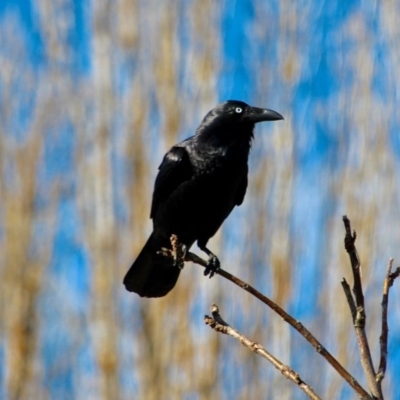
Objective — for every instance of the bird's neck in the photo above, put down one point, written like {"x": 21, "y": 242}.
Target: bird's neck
{"x": 233, "y": 140}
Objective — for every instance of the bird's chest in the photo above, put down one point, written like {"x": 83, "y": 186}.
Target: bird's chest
{"x": 216, "y": 182}
{"x": 219, "y": 173}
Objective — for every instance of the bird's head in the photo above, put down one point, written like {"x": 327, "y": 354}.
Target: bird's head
{"x": 237, "y": 115}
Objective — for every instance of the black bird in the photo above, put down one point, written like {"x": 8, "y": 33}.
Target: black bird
{"x": 199, "y": 182}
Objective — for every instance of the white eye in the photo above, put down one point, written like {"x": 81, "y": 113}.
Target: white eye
{"x": 238, "y": 110}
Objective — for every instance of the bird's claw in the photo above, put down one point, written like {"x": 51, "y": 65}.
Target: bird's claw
{"x": 213, "y": 265}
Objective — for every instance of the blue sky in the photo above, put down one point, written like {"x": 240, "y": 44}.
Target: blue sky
{"x": 320, "y": 101}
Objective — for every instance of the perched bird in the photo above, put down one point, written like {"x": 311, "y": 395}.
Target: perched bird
{"x": 199, "y": 182}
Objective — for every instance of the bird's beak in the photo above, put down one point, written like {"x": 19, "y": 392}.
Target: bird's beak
{"x": 254, "y": 114}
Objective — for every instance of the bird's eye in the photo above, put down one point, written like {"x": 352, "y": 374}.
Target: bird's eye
{"x": 238, "y": 110}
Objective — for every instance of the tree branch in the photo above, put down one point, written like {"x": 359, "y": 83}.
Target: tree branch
{"x": 360, "y": 317}
{"x": 188, "y": 256}
{"x": 393, "y": 276}
{"x": 218, "y": 324}
{"x": 383, "y": 340}
{"x": 349, "y": 240}
{"x": 350, "y": 299}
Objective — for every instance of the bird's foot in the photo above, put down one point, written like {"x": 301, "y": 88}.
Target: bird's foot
{"x": 213, "y": 265}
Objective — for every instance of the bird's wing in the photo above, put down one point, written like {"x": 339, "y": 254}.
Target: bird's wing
{"x": 173, "y": 171}
{"x": 241, "y": 190}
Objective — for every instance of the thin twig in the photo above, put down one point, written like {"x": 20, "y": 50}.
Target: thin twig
{"x": 291, "y": 321}
{"x": 218, "y": 324}
{"x": 383, "y": 340}
{"x": 349, "y": 240}
{"x": 393, "y": 276}
{"x": 350, "y": 300}
{"x": 360, "y": 318}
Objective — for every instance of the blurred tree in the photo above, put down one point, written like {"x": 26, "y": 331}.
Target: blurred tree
{"x": 91, "y": 97}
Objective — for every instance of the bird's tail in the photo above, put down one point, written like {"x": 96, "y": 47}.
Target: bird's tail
{"x": 151, "y": 275}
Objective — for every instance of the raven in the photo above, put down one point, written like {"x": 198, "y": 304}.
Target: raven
{"x": 199, "y": 182}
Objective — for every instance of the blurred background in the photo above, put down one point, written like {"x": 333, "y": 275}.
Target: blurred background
{"x": 92, "y": 94}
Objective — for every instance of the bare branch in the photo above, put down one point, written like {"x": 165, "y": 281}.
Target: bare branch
{"x": 218, "y": 324}
{"x": 291, "y": 321}
{"x": 393, "y": 276}
{"x": 350, "y": 299}
{"x": 383, "y": 340}
{"x": 349, "y": 240}
{"x": 360, "y": 317}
